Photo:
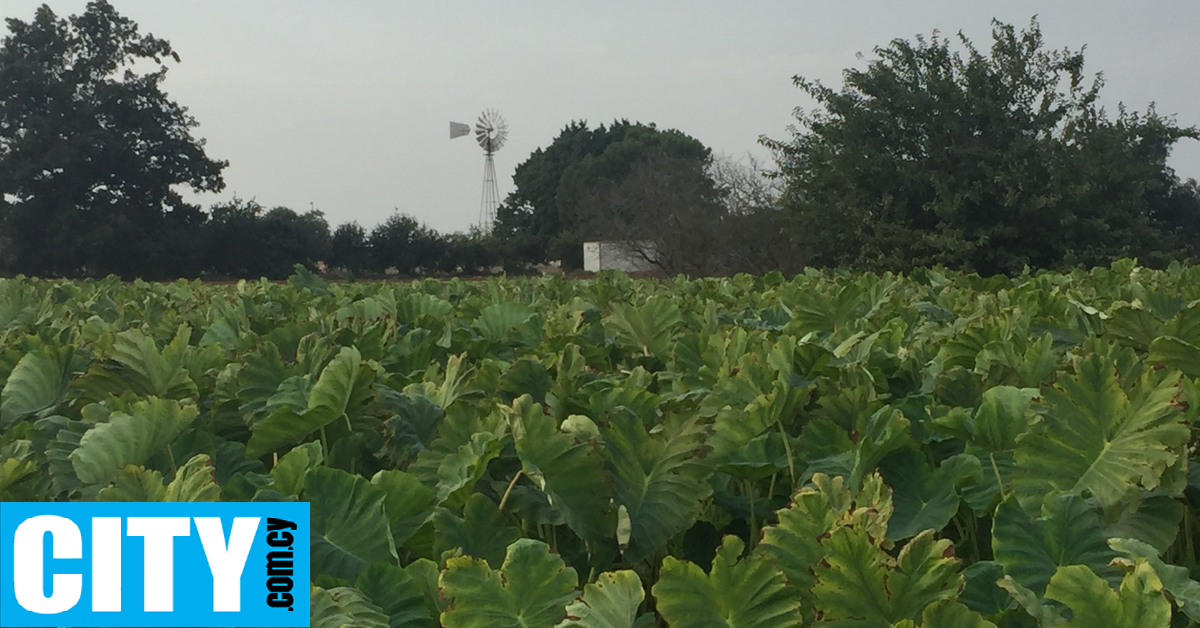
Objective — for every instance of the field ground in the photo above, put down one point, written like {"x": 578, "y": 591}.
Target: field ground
{"x": 830, "y": 449}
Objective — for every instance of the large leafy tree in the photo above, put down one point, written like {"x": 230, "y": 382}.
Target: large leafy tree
{"x": 349, "y": 249}
{"x": 540, "y": 219}
{"x": 243, "y": 239}
{"x": 981, "y": 161}
{"x": 91, "y": 149}
{"x": 403, "y": 243}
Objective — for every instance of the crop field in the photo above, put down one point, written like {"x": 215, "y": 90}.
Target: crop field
{"x": 936, "y": 450}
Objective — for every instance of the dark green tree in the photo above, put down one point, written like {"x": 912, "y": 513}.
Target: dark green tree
{"x": 91, "y": 147}
{"x": 470, "y": 253}
{"x": 984, "y": 162}
{"x": 349, "y": 248}
{"x": 539, "y": 220}
{"x": 290, "y": 238}
{"x": 232, "y": 237}
{"x": 246, "y": 241}
{"x": 404, "y": 243}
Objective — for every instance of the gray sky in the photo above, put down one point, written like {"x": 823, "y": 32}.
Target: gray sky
{"x": 345, "y": 105}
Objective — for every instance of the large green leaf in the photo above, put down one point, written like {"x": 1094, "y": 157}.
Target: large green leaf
{"x": 36, "y": 386}
{"x": 737, "y": 591}
{"x": 925, "y": 498}
{"x": 349, "y": 525}
{"x": 1175, "y": 580}
{"x": 659, "y": 479}
{"x": 1136, "y": 326}
{"x": 395, "y": 592}
{"x": 509, "y": 323}
{"x": 530, "y": 590}
{"x": 611, "y": 601}
{"x": 947, "y": 614}
{"x": 1138, "y": 604}
{"x": 259, "y": 379}
{"x": 17, "y": 469}
{"x": 140, "y": 367}
{"x": 860, "y": 584}
{"x": 344, "y": 607}
{"x": 1066, "y": 532}
{"x": 284, "y": 427}
{"x": 1001, "y": 418}
{"x": 1099, "y": 440}
{"x": 194, "y": 482}
{"x": 567, "y": 468}
{"x": 647, "y": 328}
{"x": 980, "y": 593}
{"x": 1176, "y": 353}
{"x": 343, "y": 384}
{"x": 481, "y": 532}
{"x": 884, "y": 431}
{"x": 1154, "y": 519}
{"x": 1179, "y": 345}
{"x": 292, "y": 469}
{"x": 129, "y": 439}
{"x": 1046, "y": 615}
{"x": 794, "y": 543}
{"x": 425, "y": 575}
{"x": 460, "y": 469}
{"x": 134, "y": 484}
{"x": 409, "y": 503}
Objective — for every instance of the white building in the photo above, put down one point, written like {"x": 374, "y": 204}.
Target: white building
{"x": 612, "y": 255}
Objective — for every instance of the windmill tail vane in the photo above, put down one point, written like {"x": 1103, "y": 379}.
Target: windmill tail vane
{"x": 491, "y": 131}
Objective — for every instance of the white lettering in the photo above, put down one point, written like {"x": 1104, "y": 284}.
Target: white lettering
{"x": 227, "y": 563}
{"x": 65, "y": 542}
{"x": 106, "y": 564}
{"x": 159, "y": 533}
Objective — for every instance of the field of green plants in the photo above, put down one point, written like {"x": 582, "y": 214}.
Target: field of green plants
{"x": 935, "y": 450}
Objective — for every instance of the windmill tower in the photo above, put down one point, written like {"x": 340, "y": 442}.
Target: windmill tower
{"x": 490, "y": 131}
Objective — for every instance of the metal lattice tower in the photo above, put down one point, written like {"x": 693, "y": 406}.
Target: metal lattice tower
{"x": 490, "y": 200}
{"x": 490, "y": 131}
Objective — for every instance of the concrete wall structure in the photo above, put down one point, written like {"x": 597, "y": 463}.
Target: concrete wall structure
{"x": 610, "y": 255}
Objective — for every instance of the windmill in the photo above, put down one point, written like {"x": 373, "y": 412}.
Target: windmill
{"x": 490, "y": 131}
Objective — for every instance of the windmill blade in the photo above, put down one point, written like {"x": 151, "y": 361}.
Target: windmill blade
{"x": 491, "y": 130}
{"x": 458, "y": 129}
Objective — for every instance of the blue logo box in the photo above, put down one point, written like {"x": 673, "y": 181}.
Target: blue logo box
{"x": 154, "y": 564}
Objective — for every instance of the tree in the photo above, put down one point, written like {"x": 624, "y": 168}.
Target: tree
{"x": 91, "y": 147}
{"x": 539, "y": 219}
{"x": 757, "y": 233}
{"x": 665, "y": 209}
{"x": 403, "y": 243}
{"x": 232, "y": 237}
{"x": 289, "y": 238}
{"x": 685, "y": 218}
{"x": 244, "y": 240}
{"x": 981, "y": 162}
{"x": 471, "y": 253}
{"x": 349, "y": 248}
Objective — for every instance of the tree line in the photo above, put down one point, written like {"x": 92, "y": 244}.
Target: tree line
{"x": 935, "y": 153}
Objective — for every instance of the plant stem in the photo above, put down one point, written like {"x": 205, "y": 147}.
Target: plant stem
{"x": 788, "y": 449}
{"x": 996, "y": 470}
{"x": 753, "y": 520}
{"x": 507, "y": 491}
{"x": 171, "y": 457}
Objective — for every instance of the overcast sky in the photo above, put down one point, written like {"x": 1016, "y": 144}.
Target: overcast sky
{"x": 344, "y": 106}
